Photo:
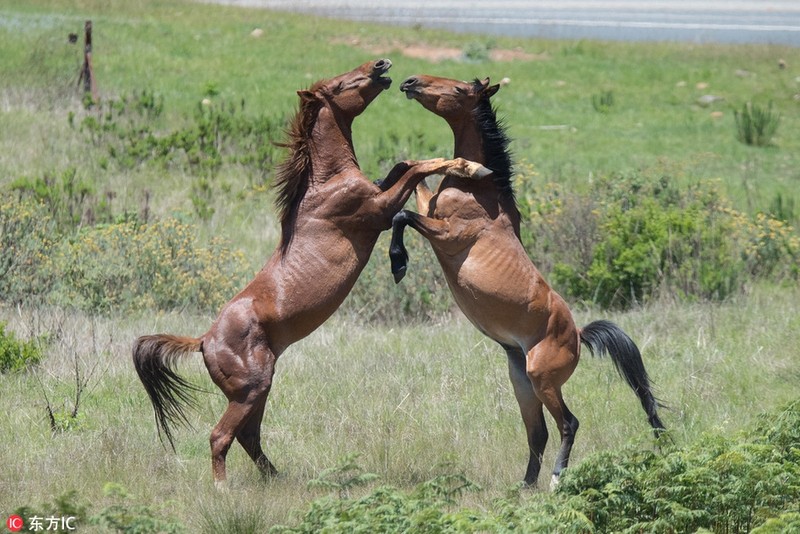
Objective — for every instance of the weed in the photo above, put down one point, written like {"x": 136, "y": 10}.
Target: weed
{"x": 126, "y": 517}
{"x": 602, "y": 102}
{"x": 756, "y": 125}
{"x": 15, "y": 354}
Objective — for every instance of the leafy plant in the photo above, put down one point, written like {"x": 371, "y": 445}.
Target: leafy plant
{"x": 70, "y": 201}
{"x": 756, "y": 125}
{"x": 343, "y": 477}
{"x": 634, "y": 237}
{"x": 126, "y": 517}
{"x": 602, "y": 102}
{"x": 28, "y": 236}
{"x": 16, "y": 354}
{"x": 133, "y": 266}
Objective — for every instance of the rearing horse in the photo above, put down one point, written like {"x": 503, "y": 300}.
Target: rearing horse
{"x": 331, "y": 216}
{"x": 473, "y": 228}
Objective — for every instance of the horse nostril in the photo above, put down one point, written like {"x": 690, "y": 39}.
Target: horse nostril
{"x": 408, "y": 83}
{"x": 382, "y": 64}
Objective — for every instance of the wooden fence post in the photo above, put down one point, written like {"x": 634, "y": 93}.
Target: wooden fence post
{"x": 87, "y": 72}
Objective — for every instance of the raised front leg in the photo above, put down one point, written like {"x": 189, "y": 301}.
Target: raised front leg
{"x": 430, "y": 229}
{"x": 395, "y": 174}
{"x": 398, "y": 255}
{"x": 398, "y": 186}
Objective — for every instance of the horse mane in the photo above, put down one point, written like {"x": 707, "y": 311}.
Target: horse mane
{"x": 495, "y": 145}
{"x": 293, "y": 174}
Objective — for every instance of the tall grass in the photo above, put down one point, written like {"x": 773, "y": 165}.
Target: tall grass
{"x": 414, "y": 402}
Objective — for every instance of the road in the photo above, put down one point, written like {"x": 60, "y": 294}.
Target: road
{"x": 705, "y": 21}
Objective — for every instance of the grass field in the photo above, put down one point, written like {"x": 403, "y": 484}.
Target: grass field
{"x": 412, "y": 399}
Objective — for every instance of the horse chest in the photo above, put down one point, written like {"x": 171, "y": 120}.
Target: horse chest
{"x": 456, "y": 204}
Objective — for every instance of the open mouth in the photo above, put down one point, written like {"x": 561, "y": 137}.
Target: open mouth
{"x": 380, "y": 68}
{"x": 410, "y": 92}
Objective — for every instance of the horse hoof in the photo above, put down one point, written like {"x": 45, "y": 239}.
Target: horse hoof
{"x": 471, "y": 170}
{"x": 476, "y": 171}
{"x": 399, "y": 274}
{"x": 221, "y": 486}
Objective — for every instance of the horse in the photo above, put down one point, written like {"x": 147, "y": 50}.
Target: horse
{"x": 474, "y": 230}
{"x": 331, "y": 216}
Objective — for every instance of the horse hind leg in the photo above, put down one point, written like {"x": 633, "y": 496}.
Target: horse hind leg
{"x": 532, "y": 413}
{"x": 548, "y": 368}
{"x": 249, "y": 438}
{"x": 242, "y": 417}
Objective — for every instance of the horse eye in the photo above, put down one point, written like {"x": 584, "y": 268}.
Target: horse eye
{"x": 459, "y": 90}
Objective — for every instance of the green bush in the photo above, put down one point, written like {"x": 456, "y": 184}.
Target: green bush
{"x": 633, "y": 238}
{"x": 716, "y": 484}
{"x": 602, "y": 102}
{"x": 721, "y": 485}
{"x": 27, "y": 239}
{"x": 126, "y": 517}
{"x": 16, "y": 354}
{"x": 127, "y": 265}
{"x": 134, "y": 266}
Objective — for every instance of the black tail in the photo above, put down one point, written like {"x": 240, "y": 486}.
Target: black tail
{"x": 605, "y": 337}
{"x": 154, "y": 358}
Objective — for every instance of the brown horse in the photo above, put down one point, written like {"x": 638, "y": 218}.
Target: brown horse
{"x": 331, "y": 216}
{"x": 473, "y": 228}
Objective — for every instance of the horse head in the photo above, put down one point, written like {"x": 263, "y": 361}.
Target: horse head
{"x": 349, "y": 94}
{"x": 450, "y": 99}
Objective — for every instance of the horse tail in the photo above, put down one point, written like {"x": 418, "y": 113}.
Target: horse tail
{"x": 154, "y": 358}
{"x": 603, "y": 337}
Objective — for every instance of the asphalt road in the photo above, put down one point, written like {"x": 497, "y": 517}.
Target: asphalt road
{"x": 705, "y": 21}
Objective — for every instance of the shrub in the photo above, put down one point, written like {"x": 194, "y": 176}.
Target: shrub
{"x": 16, "y": 354}
{"x": 27, "y": 239}
{"x": 716, "y": 484}
{"x": 127, "y": 517}
{"x": 134, "y": 266}
{"x": 756, "y": 125}
{"x": 217, "y": 133}
{"x": 634, "y": 237}
{"x": 65, "y": 196}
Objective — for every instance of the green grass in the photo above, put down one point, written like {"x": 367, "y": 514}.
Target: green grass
{"x": 179, "y": 50}
{"x": 413, "y": 401}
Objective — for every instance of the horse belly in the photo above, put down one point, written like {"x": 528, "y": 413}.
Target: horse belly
{"x": 498, "y": 301}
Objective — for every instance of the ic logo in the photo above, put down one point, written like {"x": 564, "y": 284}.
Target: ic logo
{"x": 15, "y": 523}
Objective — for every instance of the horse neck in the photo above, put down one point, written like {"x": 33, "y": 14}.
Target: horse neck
{"x": 332, "y": 149}
{"x": 468, "y": 141}
{"x": 468, "y": 144}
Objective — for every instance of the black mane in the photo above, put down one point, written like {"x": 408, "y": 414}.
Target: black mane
{"x": 495, "y": 146}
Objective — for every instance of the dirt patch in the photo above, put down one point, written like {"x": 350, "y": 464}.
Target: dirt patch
{"x": 434, "y": 53}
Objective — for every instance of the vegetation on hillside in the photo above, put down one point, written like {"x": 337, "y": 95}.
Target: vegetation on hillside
{"x": 658, "y": 184}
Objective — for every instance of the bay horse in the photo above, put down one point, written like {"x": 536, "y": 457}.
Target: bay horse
{"x": 331, "y": 216}
{"x": 474, "y": 230}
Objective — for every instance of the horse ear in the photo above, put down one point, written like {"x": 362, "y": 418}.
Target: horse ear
{"x": 306, "y": 95}
{"x": 489, "y": 91}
